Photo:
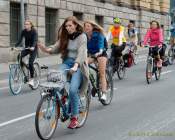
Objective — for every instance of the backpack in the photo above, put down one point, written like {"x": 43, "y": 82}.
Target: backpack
{"x": 127, "y": 60}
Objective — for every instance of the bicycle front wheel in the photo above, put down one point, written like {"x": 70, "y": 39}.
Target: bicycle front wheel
{"x": 46, "y": 118}
{"x": 15, "y": 79}
{"x": 121, "y": 70}
{"x": 83, "y": 108}
{"x": 149, "y": 70}
{"x": 37, "y": 75}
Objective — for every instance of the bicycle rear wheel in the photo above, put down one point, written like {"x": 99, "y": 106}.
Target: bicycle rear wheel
{"x": 121, "y": 70}
{"x": 37, "y": 75}
{"x": 15, "y": 79}
{"x": 109, "y": 93}
{"x": 46, "y": 118}
{"x": 84, "y": 108}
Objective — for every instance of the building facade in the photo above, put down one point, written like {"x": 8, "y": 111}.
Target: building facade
{"x": 48, "y": 15}
{"x": 172, "y": 10}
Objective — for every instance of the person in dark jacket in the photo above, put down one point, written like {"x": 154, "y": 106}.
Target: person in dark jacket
{"x": 31, "y": 37}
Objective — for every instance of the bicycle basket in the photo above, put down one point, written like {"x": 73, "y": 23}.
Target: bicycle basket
{"x": 55, "y": 76}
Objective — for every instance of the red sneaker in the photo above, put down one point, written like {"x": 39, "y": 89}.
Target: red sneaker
{"x": 73, "y": 123}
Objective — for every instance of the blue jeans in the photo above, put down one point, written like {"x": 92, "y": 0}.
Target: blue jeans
{"x": 75, "y": 83}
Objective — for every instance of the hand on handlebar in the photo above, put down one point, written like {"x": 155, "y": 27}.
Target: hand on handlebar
{"x": 73, "y": 69}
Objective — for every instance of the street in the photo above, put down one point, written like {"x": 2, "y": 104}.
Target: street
{"x": 138, "y": 111}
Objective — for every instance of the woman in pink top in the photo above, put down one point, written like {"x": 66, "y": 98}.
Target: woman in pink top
{"x": 154, "y": 38}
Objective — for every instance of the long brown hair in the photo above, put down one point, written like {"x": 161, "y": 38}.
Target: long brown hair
{"x": 63, "y": 35}
{"x": 95, "y": 26}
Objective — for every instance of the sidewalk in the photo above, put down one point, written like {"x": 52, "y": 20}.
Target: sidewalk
{"x": 52, "y": 60}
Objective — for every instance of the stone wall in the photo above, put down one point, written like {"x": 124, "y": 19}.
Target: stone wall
{"x": 142, "y": 11}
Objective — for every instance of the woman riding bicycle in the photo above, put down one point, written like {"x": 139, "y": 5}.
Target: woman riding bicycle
{"x": 154, "y": 37}
{"x": 72, "y": 44}
{"x": 96, "y": 48}
{"x": 132, "y": 35}
{"x": 31, "y": 37}
{"x": 116, "y": 32}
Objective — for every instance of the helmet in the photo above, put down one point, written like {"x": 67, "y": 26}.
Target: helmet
{"x": 116, "y": 20}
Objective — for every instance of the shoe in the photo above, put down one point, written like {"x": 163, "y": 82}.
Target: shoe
{"x": 31, "y": 82}
{"x": 73, "y": 123}
{"x": 159, "y": 63}
{"x": 103, "y": 97}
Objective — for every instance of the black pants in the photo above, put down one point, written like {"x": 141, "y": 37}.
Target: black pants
{"x": 157, "y": 51}
{"x": 31, "y": 59}
{"x": 116, "y": 52}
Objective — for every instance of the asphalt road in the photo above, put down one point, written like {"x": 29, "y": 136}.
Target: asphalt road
{"x": 138, "y": 111}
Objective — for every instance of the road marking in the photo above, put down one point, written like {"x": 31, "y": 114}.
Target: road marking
{"x": 166, "y": 72}
{"x": 17, "y": 119}
{"x": 114, "y": 88}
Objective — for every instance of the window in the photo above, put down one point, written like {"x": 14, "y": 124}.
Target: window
{"x": 99, "y": 20}
{"x": 50, "y": 21}
{"x": 78, "y": 15}
{"x": 15, "y": 22}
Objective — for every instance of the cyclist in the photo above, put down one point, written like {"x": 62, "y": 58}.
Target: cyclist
{"x": 116, "y": 33}
{"x": 72, "y": 44}
{"x": 31, "y": 37}
{"x": 132, "y": 35}
{"x": 154, "y": 37}
{"x": 96, "y": 47}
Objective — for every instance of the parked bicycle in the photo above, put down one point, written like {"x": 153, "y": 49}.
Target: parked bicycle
{"x": 151, "y": 67}
{"x": 94, "y": 77}
{"x": 19, "y": 74}
{"x": 54, "y": 104}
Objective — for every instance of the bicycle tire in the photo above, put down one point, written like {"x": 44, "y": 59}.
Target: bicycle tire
{"x": 12, "y": 75}
{"x": 83, "y": 114}
{"x": 171, "y": 56}
{"x": 38, "y": 115}
{"x": 121, "y": 70}
{"x": 149, "y": 71}
{"x": 110, "y": 86}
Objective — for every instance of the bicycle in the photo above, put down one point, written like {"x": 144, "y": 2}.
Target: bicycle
{"x": 117, "y": 65}
{"x": 151, "y": 67}
{"x": 54, "y": 104}
{"x": 171, "y": 54}
{"x": 19, "y": 74}
{"x": 95, "y": 83}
